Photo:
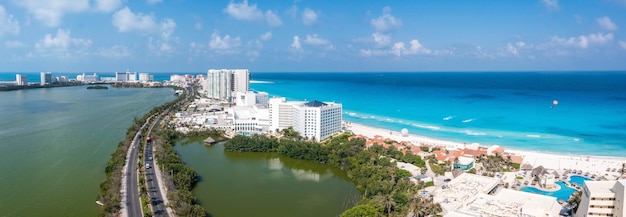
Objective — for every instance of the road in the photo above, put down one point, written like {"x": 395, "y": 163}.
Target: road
{"x": 154, "y": 192}
{"x": 133, "y": 205}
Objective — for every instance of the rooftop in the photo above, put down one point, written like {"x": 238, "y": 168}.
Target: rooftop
{"x": 315, "y": 103}
{"x": 462, "y": 188}
{"x": 508, "y": 203}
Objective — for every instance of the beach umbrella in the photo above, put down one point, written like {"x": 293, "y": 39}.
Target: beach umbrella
{"x": 404, "y": 132}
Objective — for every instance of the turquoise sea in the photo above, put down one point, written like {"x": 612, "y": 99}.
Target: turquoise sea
{"x": 511, "y": 109}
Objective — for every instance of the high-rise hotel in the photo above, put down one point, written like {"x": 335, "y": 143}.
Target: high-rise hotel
{"x": 314, "y": 119}
{"x": 221, "y": 84}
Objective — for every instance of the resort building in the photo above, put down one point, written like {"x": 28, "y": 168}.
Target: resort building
{"x": 314, "y": 120}
{"x": 127, "y": 76}
{"x": 603, "y": 198}
{"x": 463, "y": 163}
{"x": 507, "y": 203}
{"x": 470, "y": 195}
{"x": 317, "y": 120}
{"x": 46, "y": 78}
{"x": 249, "y": 119}
{"x": 281, "y": 113}
{"x": 21, "y": 80}
{"x": 250, "y": 98}
{"x": 87, "y": 78}
{"x": 145, "y": 77}
{"x": 222, "y": 84}
{"x": 177, "y": 78}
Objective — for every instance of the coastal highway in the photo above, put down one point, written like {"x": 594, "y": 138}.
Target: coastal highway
{"x": 154, "y": 192}
{"x": 133, "y": 205}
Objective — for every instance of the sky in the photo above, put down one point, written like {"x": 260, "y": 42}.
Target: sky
{"x": 311, "y": 36}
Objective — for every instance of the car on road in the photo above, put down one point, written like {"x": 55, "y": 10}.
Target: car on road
{"x": 148, "y": 166}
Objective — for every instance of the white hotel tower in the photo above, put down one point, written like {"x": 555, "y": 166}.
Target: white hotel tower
{"x": 314, "y": 120}
{"x": 223, "y": 83}
{"x": 603, "y": 198}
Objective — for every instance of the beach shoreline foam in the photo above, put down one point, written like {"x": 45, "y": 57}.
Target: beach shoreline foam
{"x": 596, "y": 165}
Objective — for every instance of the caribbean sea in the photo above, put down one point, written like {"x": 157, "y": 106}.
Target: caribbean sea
{"x": 511, "y": 109}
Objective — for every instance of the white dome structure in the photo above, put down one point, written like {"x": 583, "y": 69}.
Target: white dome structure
{"x": 404, "y": 132}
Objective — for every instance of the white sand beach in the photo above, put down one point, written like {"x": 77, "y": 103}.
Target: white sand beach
{"x": 596, "y": 165}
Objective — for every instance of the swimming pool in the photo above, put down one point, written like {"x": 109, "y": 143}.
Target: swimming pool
{"x": 561, "y": 194}
{"x": 579, "y": 180}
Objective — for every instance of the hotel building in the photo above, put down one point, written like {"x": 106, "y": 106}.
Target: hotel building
{"x": 21, "y": 80}
{"x": 145, "y": 77}
{"x": 471, "y": 195}
{"x": 603, "y": 198}
{"x": 46, "y": 78}
{"x": 127, "y": 76}
{"x": 315, "y": 120}
{"x": 87, "y": 78}
{"x": 223, "y": 83}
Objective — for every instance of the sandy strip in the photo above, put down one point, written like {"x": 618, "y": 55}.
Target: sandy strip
{"x": 592, "y": 164}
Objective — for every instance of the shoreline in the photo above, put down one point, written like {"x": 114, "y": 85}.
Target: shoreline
{"x": 594, "y": 164}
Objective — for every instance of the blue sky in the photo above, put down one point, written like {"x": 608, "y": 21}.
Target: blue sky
{"x": 342, "y": 35}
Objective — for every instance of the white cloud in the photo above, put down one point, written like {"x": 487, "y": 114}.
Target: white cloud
{"x": 417, "y": 48}
{"x": 250, "y": 12}
{"x": 8, "y": 24}
{"x": 14, "y": 44}
{"x": 62, "y": 45}
{"x": 606, "y": 23}
{"x": 125, "y": 21}
{"x": 160, "y": 47}
{"x": 51, "y": 12}
{"x": 273, "y": 19}
{"x": 309, "y": 17}
{"x": 116, "y": 51}
{"x": 167, "y": 27}
{"x": 511, "y": 49}
{"x": 399, "y": 49}
{"x": 551, "y": 4}
{"x": 584, "y": 41}
{"x": 622, "y": 44}
{"x": 386, "y": 21}
{"x": 154, "y": 1}
{"x": 296, "y": 43}
{"x": 381, "y": 39}
{"x": 223, "y": 43}
{"x": 243, "y": 11}
{"x": 316, "y": 40}
{"x": 108, "y": 5}
{"x": 266, "y": 36}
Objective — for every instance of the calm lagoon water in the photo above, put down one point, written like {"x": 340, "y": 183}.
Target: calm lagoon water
{"x": 263, "y": 184}
{"x": 55, "y": 143}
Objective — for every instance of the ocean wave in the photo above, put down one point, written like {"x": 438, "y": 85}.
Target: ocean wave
{"x": 533, "y": 136}
{"x": 468, "y": 120}
{"x": 261, "y": 82}
{"x": 426, "y": 126}
{"x": 352, "y": 114}
{"x": 448, "y": 118}
{"x": 472, "y": 133}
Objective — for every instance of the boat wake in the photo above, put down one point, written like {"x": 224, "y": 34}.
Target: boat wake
{"x": 468, "y": 120}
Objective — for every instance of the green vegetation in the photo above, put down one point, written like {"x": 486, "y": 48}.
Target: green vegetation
{"x": 178, "y": 177}
{"x": 386, "y": 189}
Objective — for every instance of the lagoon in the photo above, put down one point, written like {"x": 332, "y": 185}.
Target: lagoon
{"x": 265, "y": 184}
{"x": 56, "y": 142}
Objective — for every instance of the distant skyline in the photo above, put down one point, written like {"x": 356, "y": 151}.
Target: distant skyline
{"x": 311, "y": 36}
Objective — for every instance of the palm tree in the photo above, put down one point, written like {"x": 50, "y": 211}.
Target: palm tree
{"x": 387, "y": 201}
